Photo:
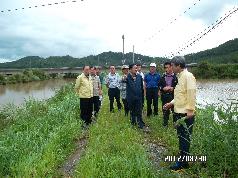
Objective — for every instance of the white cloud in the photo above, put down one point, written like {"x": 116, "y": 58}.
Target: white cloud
{"x": 91, "y": 27}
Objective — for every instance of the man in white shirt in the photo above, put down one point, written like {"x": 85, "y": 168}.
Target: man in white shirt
{"x": 113, "y": 84}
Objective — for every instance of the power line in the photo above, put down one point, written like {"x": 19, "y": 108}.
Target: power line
{"x": 38, "y": 6}
{"x": 207, "y": 30}
{"x": 174, "y": 19}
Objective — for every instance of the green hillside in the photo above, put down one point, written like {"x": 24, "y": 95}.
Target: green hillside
{"x": 103, "y": 59}
{"x": 223, "y": 54}
{"x": 226, "y": 53}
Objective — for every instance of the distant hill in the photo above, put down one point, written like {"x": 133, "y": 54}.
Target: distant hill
{"x": 224, "y": 53}
{"x": 103, "y": 59}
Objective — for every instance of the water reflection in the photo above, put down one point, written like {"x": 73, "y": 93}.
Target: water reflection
{"x": 17, "y": 93}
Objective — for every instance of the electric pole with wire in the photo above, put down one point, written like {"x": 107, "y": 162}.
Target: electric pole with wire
{"x": 123, "y": 58}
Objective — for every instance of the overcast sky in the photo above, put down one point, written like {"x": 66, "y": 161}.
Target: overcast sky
{"x": 94, "y": 26}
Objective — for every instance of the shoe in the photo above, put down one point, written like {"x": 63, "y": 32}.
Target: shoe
{"x": 146, "y": 129}
{"x": 179, "y": 166}
{"x": 165, "y": 126}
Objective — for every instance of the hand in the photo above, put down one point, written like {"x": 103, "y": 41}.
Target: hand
{"x": 100, "y": 92}
{"x": 190, "y": 113}
{"x": 159, "y": 93}
{"x": 171, "y": 89}
{"x": 166, "y": 88}
{"x": 167, "y": 106}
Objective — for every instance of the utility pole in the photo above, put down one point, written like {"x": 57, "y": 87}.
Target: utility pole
{"x": 123, "y": 38}
{"x": 98, "y": 60}
{"x": 133, "y": 56}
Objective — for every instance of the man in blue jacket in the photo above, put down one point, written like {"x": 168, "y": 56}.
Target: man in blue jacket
{"x": 134, "y": 95}
{"x": 152, "y": 89}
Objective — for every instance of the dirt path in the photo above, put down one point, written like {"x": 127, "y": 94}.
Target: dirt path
{"x": 155, "y": 149}
{"x": 69, "y": 166}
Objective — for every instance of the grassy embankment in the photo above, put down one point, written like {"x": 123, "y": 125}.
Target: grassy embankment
{"x": 38, "y": 137}
{"x": 41, "y": 135}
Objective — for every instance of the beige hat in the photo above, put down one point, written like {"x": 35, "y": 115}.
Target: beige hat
{"x": 152, "y": 64}
{"x": 125, "y": 67}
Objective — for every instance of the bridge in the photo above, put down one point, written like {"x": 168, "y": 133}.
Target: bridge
{"x": 67, "y": 70}
{"x": 63, "y": 70}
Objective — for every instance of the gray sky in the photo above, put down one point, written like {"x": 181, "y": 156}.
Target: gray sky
{"x": 91, "y": 27}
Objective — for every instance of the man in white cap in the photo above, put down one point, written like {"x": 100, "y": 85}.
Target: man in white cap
{"x": 152, "y": 89}
{"x": 125, "y": 71}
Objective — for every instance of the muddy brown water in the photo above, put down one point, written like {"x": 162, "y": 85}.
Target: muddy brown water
{"x": 209, "y": 91}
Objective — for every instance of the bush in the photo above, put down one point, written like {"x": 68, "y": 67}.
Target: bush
{"x": 217, "y": 141}
{"x": 2, "y": 80}
{"x": 215, "y": 71}
{"x": 11, "y": 79}
{"x": 40, "y": 74}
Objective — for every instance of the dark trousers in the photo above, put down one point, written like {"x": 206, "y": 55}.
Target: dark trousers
{"x": 86, "y": 109}
{"x": 114, "y": 93}
{"x": 166, "y": 98}
{"x": 96, "y": 105}
{"x": 136, "y": 112}
{"x": 126, "y": 106}
{"x": 152, "y": 96}
{"x": 184, "y": 134}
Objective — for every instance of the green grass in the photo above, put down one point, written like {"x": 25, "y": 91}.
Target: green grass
{"x": 38, "y": 137}
{"x": 114, "y": 149}
{"x": 218, "y": 142}
{"x": 117, "y": 149}
{"x": 41, "y": 136}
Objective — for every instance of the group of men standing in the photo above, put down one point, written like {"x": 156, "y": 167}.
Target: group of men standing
{"x": 178, "y": 94}
{"x": 133, "y": 86}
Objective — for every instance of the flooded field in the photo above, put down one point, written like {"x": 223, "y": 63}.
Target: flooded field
{"x": 209, "y": 91}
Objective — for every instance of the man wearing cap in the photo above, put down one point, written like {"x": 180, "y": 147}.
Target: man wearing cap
{"x": 184, "y": 107}
{"x": 152, "y": 89}
{"x": 113, "y": 84}
{"x": 124, "y": 69}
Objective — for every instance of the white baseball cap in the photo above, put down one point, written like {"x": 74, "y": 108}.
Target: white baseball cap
{"x": 125, "y": 67}
{"x": 152, "y": 64}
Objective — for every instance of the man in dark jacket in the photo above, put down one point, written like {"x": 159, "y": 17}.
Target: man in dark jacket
{"x": 134, "y": 95}
{"x": 167, "y": 84}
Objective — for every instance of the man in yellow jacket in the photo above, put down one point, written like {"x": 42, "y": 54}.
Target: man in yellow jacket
{"x": 184, "y": 108}
{"x": 84, "y": 88}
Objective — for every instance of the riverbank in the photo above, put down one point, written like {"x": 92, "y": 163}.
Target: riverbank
{"x": 27, "y": 76}
{"x": 37, "y": 138}
{"x": 206, "y": 70}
